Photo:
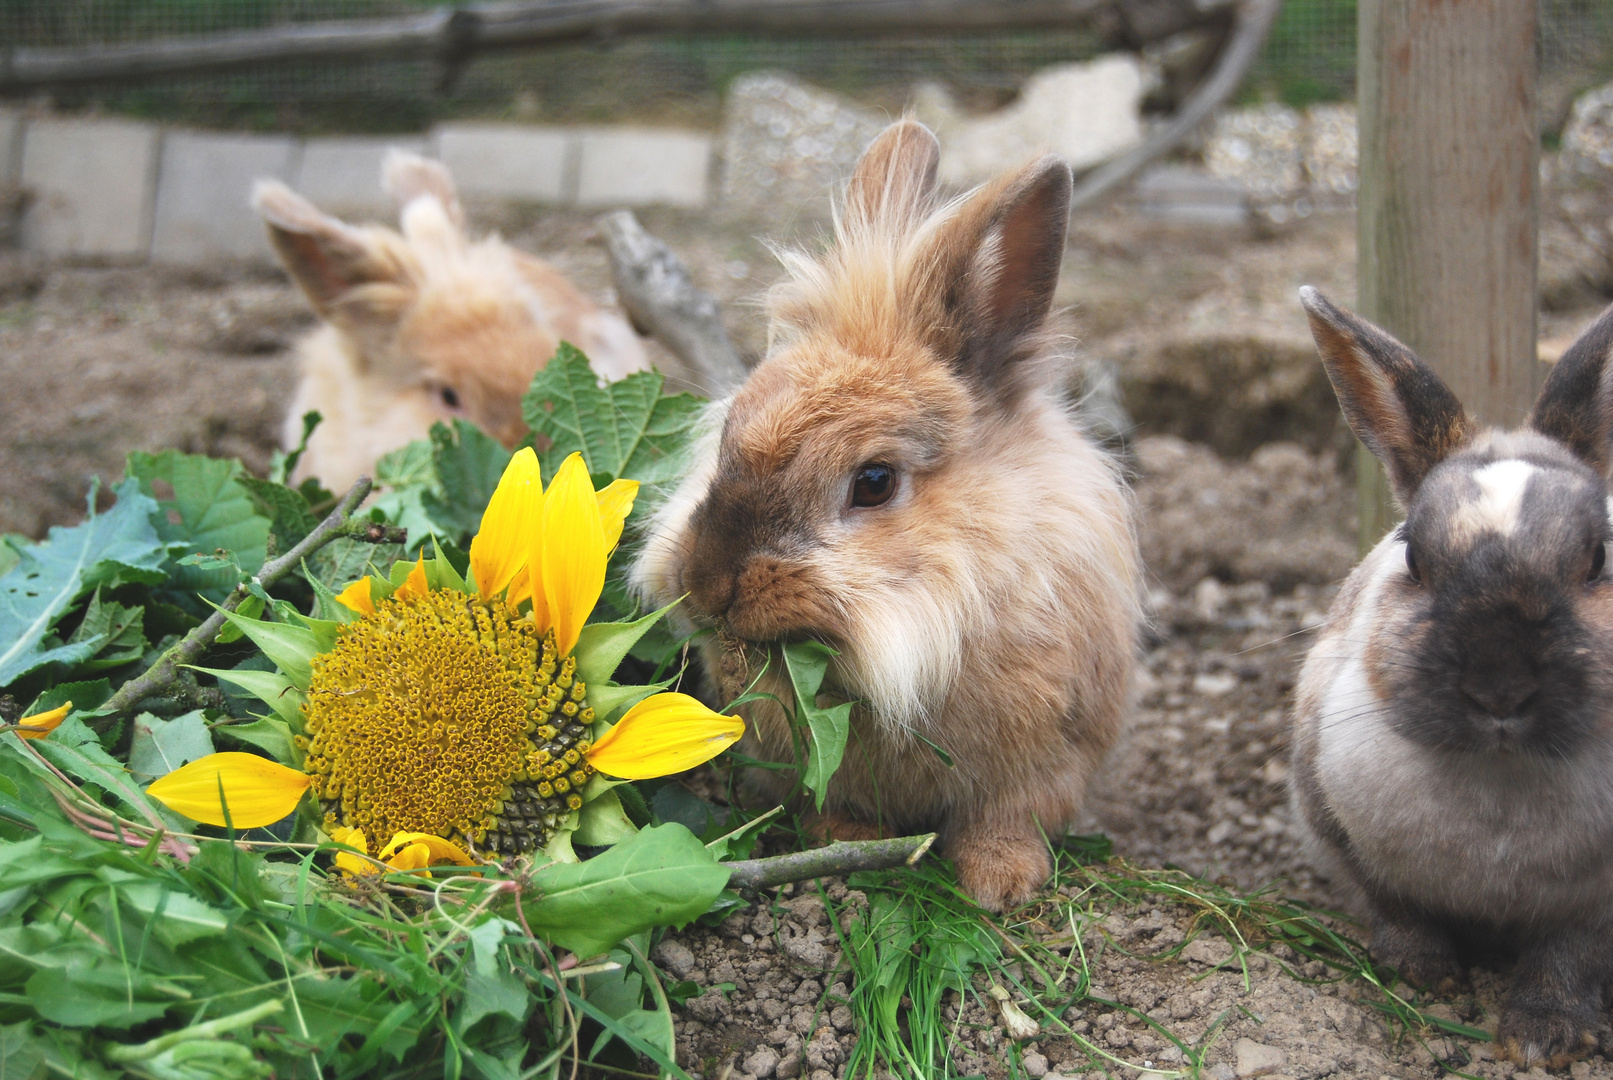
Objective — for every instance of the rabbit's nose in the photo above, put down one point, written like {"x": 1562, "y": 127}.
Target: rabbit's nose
{"x": 1500, "y": 693}
{"x": 710, "y": 586}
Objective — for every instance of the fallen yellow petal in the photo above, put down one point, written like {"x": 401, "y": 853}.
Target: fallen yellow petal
{"x": 416, "y": 851}
{"x": 44, "y": 723}
{"x": 662, "y": 735}
{"x": 573, "y": 555}
{"x": 615, "y": 503}
{"x": 258, "y": 791}
{"x": 515, "y": 512}
{"x": 346, "y": 861}
{"x": 415, "y": 584}
{"x": 357, "y": 596}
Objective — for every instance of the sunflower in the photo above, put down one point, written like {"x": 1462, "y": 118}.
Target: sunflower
{"x": 436, "y": 717}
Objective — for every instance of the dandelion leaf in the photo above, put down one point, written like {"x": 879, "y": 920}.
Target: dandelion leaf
{"x": 827, "y": 728}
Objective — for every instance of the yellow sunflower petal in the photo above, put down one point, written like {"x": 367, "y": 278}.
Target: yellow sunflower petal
{"x": 662, "y": 735}
{"x": 258, "y": 791}
{"x": 615, "y": 503}
{"x": 415, "y": 850}
{"x": 514, "y": 513}
{"x": 357, "y": 596}
{"x": 573, "y": 557}
{"x": 521, "y": 589}
{"x": 346, "y": 861}
{"x": 43, "y": 723}
{"x": 415, "y": 584}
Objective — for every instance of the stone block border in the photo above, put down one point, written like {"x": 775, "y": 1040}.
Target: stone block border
{"x": 131, "y": 191}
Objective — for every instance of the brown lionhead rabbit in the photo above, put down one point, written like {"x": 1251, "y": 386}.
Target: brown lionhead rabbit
{"x": 900, "y": 480}
{"x": 1453, "y": 738}
{"x": 422, "y": 325}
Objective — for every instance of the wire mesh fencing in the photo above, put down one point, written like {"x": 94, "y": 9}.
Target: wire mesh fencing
{"x": 1309, "y": 57}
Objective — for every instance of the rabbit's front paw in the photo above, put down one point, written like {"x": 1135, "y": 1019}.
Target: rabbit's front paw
{"x": 1000, "y": 872}
{"x": 1422, "y": 955}
{"x": 1540, "y": 1033}
{"x": 831, "y": 827}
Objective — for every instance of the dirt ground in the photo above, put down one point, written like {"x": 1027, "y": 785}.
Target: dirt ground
{"x": 1247, "y": 523}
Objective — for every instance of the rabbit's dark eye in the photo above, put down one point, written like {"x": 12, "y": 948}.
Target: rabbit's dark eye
{"x": 873, "y": 485}
{"x": 1411, "y": 565}
{"x": 1598, "y": 561}
{"x": 450, "y": 397}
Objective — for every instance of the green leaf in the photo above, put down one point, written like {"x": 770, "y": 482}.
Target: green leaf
{"x": 469, "y": 463}
{"x": 661, "y": 877}
{"x": 75, "y": 749}
{"x": 610, "y": 701}
{"x": 95, "y": 993}
{"x": 183, "y": 917}
{"x": 439, "y": 486}
{"x": 270, "y": 687}
{"x": 20, "y": 1055}
{"x": 119, "y": 630}
{"x": 290, "y": 518}
{"x": 344, "y": 561}
{"x": 623, "y": 429}
{"x": 282, "y": 464}
{"x": 603, "y": 822}
{"x": 107, "y": 549}
{"x": 269, "y": 734}
{"x": 601, "y": 647}
{"x": 490, "y": 986}
{"x": 214, "y": 509}
{"x": 161, "y": 746}
{"x": 829, "y": 728}
{"x": 87, "y": 696}
{"x": 290, "y": 647}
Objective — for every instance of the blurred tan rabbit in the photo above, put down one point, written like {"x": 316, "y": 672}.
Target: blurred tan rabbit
{"x": 901, "y": 480}
{"x": 422, "y": 326}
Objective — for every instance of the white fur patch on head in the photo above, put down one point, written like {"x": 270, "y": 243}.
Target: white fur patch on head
{"x": 1501, "y": 489}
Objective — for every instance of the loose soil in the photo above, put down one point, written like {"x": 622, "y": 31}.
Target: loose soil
{"x": 1246, "y": 514}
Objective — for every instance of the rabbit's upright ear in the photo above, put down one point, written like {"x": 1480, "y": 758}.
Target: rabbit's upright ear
{"x": 1575, "y": 406}
{"x": 331, "y": 261}
{"x": 893, "y": 187}
{"x": 992, "y": 267}
{"x": 407, "y": 177}
{"x": 1393, "y": 401}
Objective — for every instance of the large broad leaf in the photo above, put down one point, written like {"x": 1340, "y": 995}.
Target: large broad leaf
{"x": 290, "y": 517}
{"x": 828, "y": 728}
{"x": 214, "y": 510}
{"x": 74, "y": 749}
{"x": 662, "y": 877}
{"x": 120, "y": 631}
{"x": 622, "y": 429}
{"x": 121, "y": 545}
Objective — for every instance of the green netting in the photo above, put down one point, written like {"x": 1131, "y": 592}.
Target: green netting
{"x": 1310, "y": 57}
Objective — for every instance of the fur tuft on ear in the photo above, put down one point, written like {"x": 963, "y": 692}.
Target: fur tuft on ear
{"x": 327, "y": 258}
{"x": 1575, "y": 406}
{"x": 892, "y": 188}
{"x": 1393, "y": 401}
{"x": 406, "y": 177}
{"x": 993, "y": 266}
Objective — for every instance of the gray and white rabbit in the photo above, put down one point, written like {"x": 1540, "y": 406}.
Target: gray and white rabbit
{"x": 1453, "y": 733}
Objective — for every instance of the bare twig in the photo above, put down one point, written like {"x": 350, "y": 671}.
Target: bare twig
{"x": 840, "y": 857}
{"x": 163, "y": 673}
{"x": 662, "y": 299}
{"x": 1249, "y": 32}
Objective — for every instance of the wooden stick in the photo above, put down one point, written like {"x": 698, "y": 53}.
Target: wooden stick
{"x": 662, "y": 299}
{"x": 161, "y": 674}
{"x": 832, "y": 860}
{"x": 1249, "y": 32}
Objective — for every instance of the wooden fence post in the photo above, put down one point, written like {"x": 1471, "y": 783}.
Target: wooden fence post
{"x": 1449, "y": 174}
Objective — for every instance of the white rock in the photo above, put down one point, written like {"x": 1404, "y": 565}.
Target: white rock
{"x": 1085, "y": 113}
{"x": 504, "y": 161}
{"x": 202, "y": 210}
{"x": 1262, "y": 149}
{"x": 1209, "y": 951}
{"x": 640, "y": 167}
{"x": 1587, "y": 145}
{"x": 342, "y": 176}
{"x": 1257, "y": 1059}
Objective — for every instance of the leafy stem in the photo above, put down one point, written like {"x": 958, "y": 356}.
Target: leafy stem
{"x": 164, "y": 673}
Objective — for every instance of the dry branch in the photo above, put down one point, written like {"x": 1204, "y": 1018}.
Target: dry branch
{"x": 832, "y": 860}
{"x": 662, "y": 299}
{"x": 1253, "y": 23}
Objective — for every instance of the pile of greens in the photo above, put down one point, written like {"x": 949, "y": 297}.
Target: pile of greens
{"x": 135, "y": 942}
